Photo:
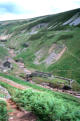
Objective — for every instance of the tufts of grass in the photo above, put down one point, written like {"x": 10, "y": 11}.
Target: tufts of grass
{"x": 46, "y": 104}
{"x": 48, "y": 107}
{"x": 3, "y": 111}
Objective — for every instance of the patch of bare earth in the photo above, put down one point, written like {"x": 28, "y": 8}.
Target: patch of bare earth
{"x": 3, "y": 37}
{"x": 17, "y": 114}
{"x": 12, "y": 53}
{"x": 60, "y": 54}
{"x": 14, "y": 84}
{"x": 52, "y": 57}
{"x": 52, "y": 48}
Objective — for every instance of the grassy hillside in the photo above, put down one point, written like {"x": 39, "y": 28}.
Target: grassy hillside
{"x": 68, "y": 65}
{"x": 52, "y": 46}
{"x": 44, "y": 103}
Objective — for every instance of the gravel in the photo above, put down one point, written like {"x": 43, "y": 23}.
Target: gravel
{"x": 5, "y": 92}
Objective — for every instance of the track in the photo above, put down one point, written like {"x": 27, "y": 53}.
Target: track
{"x": 14, "y": 84}
{"x": 15, "y": 113}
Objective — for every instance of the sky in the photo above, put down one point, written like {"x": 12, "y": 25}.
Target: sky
{"x": 21, "y": 9}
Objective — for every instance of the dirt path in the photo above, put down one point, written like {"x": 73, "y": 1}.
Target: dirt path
{"x": 19, "y": 86}
{"x": 16, "y": 114}
{"x": 20, "y": 64}
{"x": 14, "y": 84}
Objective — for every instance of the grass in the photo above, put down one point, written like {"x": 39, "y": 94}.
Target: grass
{"x": 48, "y": 107}
{"x": 3, "y": 106}
{"x": 3, "y": 53}
{"x": 54, "y": 83}
{"x": 12, "y": 90}
{"x": 3, "y": 111}
{"x": 34, "y": 86}
{"x": 68, "y": 65}
{"x": 44, "y": 103}
{"x": 2, "y": 95}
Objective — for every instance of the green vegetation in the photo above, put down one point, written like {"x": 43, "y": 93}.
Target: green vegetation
{"x": 54, "y": 83}
{"x": 68, "y": 65}
{"x": 48, "y": 107}
{"x": 34, "y": 86}
{"x": 3, "y": 111}
{"x": 21, "y": 31}
{"x": 12, "y": 90}
{"x": 46, "y": 104}
{"x": 2, "y": 95}
{"x": 3, "y": 53}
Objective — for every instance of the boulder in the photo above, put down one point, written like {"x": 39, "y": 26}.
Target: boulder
{"x": 29, "y": 77}
{"x": 7, "y": 64}
{"x": 19, "y": 60}
{"x": 3, "y": 40}
{"x": 41, "y": 74}
{"x": 66, "y": 87}
{"x": 45, "y": 84}
{"x": 25, "y": 45}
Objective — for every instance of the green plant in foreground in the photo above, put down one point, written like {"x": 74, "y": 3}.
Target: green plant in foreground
{"x": 48, "y": 107}
{"x": 3, "y": 111}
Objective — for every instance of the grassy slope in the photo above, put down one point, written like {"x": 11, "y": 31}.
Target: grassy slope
{"x": 34, "y": 86}
{"x": 69, "y": 65}
{"x": 46, "y": 104}
{"x": 66, "y": 107}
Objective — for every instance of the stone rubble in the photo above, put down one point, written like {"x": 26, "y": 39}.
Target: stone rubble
{"x": 5, "y": 92}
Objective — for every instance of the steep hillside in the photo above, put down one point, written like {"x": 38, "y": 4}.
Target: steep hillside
{"x": 48, "y": 44}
